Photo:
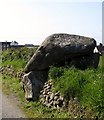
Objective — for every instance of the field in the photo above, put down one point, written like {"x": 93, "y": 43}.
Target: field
{"x": 85, "y": 85}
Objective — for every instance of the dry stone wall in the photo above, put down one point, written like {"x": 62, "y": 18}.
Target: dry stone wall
{"x": 54, "y": 100}
{"x": 10, "y": 71}
{"x": 51, "y": 99}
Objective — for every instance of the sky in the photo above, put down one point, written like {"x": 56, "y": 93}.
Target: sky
{"x": 31, "y": 21}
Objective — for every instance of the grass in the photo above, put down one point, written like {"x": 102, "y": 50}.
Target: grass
{"x": 86, "y": 85}
{"x": 17, "y": 57}
{"x": 32, "y": 109}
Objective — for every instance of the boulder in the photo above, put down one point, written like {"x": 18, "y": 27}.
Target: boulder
{"x": 81, "y": 62}
{"x": 86, "y": 61}
{"x": 32, "y": 84}
{"x": 58, "y": 47}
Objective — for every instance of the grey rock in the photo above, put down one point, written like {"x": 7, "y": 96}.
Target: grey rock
{"x": 49, "y": 93}
{"x": 55, "y": 103}
{"x": 64, "y": 103}
{"x": 61, "y": 98}
{"x": 45, "y": 86}
{"x": 48, "y": 87}
{"x": 50, "y": 82}
{"x": 47, "y": 98}
{"x": 46, "y": 103}
{"x": 41, "y": 91}
{"x": 85, "y": 61}
{"x": 52, "y": 96}
{"x": 51, "y": 103}
{"x": 58, "y": 47}
{"x": 58, "y": 107}
{"x": 54, "y": 107}
{"x": 48, "y": 90}
{"x": 44, "y": 93}
{"x": 33, "y": 83}
{"x": 56, "y": 97}
{"x": 57, "y": 93}
{"x": 1, "y": 69}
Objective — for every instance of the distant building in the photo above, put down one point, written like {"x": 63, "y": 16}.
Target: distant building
{"x": 29, "y": 45}
{"x": 5, "y": 45}
{"x": 14, "y": 43}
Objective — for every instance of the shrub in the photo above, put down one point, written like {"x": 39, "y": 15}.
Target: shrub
{"x": 17, "y": 57}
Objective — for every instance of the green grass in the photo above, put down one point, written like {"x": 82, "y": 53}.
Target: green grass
{"x": 17, "y": 64}
{"x": 86, "y": 85}
{"x": 17, "y": 57}
{"x": 32, "y": 109}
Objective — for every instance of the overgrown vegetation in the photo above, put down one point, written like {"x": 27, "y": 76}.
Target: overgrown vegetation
{"x": 17, "y": 57}
{"x": 32, "y": 109}
{"x": 85, "y": 85}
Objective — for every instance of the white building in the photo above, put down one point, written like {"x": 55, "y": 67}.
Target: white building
{"x": 14, "y": 43}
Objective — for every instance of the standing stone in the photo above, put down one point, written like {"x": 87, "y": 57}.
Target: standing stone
{"x": 33, "y": 82}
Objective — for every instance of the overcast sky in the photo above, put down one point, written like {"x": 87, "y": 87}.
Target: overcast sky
{"x": 31, "y": 21}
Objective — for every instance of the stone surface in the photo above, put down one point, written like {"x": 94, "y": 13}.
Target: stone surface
{"x": 83, "y": 62}
{"x": 33, "y": 82}
{"x": 58, "y": 47}
{"x": 53, "y": 99}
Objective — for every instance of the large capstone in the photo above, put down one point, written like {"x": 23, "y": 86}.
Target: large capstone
{"x": 58, "y": 47}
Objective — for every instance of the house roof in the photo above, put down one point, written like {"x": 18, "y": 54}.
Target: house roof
{"x": 5, "y": 42}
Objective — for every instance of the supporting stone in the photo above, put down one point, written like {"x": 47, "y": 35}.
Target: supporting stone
{"x": 33, "y": 82}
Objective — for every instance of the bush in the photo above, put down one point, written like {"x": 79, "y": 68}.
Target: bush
{"x": 17, "y": 57}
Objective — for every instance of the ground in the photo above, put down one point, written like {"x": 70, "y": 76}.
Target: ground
{"x": 10, "y": 107}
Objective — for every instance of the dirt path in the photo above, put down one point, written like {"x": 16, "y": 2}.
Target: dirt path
{"x": 9, "y": 107}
